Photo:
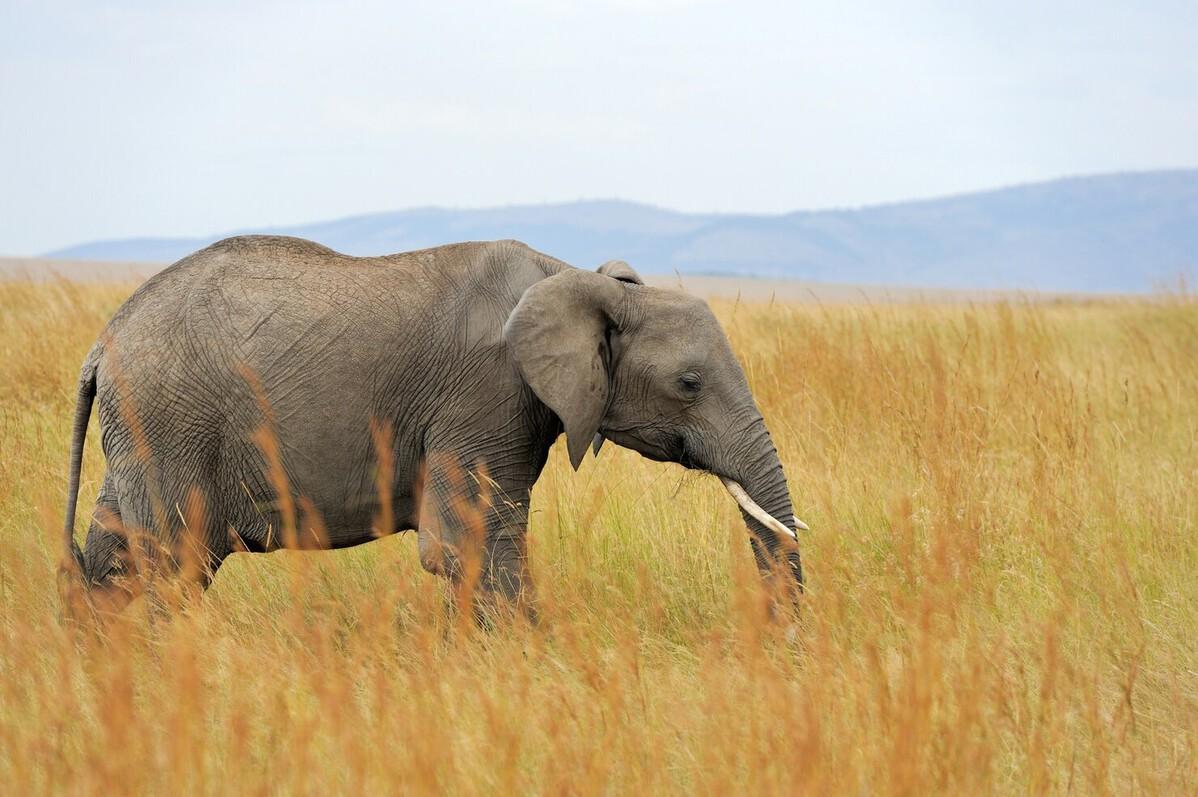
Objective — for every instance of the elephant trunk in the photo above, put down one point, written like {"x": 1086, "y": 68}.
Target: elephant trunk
{"x": 764, "y": 499}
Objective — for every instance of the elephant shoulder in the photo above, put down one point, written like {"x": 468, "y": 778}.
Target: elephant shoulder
{"x": 504, "y": 270}
{"x": 486, "y": 285}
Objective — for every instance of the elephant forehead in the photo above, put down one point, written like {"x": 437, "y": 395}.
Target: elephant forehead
{"x": 662, "y": 308}
{"x": 670, "y": 351}
{"x": 686, "y": 328}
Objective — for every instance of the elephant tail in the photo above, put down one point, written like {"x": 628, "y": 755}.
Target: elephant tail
{"x": 72, "y": 555}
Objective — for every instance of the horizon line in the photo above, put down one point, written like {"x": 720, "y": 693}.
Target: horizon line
{"x": 915, "y": 200}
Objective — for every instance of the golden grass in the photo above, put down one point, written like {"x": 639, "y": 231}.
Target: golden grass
{"x": 1003, "y": 571}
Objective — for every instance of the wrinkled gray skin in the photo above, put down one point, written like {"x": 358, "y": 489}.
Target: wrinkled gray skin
{"x": 477, "y": 355}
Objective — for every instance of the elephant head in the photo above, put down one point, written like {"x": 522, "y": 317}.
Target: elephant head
{"x": 652, "y": 370}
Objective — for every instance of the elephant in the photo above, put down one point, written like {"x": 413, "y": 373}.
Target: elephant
{"x": 268, "y": 392}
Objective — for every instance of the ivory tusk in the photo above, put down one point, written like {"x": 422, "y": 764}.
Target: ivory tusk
{"x": 765, "y": 518}
{"x": 800, "y": 525}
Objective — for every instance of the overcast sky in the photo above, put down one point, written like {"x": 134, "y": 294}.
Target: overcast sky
{"x": 156, "y": 118}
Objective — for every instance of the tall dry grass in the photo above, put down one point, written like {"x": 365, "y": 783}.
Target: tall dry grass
{"x": 1003, "y": 595}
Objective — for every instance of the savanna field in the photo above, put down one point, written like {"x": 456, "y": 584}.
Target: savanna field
{"x": 1002, "y": 570}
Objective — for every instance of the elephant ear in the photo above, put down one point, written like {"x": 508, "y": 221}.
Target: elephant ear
{"x": 558, "y": 337}
{"x": 618, "y": 269}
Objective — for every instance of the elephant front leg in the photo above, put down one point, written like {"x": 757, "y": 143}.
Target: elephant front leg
{"x": 473, "y": 532}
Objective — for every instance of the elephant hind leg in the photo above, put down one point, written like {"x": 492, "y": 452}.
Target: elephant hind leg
{"x": 108, "y": 577}
{"x": 123, "y": 558}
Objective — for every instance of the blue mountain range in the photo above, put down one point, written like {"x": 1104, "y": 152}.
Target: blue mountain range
{"x": 1129, "y": 232}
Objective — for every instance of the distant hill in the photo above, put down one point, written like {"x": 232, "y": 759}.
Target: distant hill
{"x": 1119, "y": 233}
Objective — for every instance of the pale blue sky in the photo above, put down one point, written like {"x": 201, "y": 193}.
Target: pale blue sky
{"x": 157, "y": 118}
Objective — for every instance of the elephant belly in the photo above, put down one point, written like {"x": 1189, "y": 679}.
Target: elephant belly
{"x": 333, "y": 472}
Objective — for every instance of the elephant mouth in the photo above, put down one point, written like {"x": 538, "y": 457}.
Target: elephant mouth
{"x": 659, "y": 447}
{"x": 690, "y": 461}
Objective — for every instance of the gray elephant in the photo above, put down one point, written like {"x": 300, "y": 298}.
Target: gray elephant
{"x": 268, "y": 392}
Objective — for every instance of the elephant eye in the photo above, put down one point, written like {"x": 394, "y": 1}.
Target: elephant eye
{"x": 690, "y": 383}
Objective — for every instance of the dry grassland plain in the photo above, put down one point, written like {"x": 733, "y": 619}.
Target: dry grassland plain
{"x": 1003, "y": 590}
